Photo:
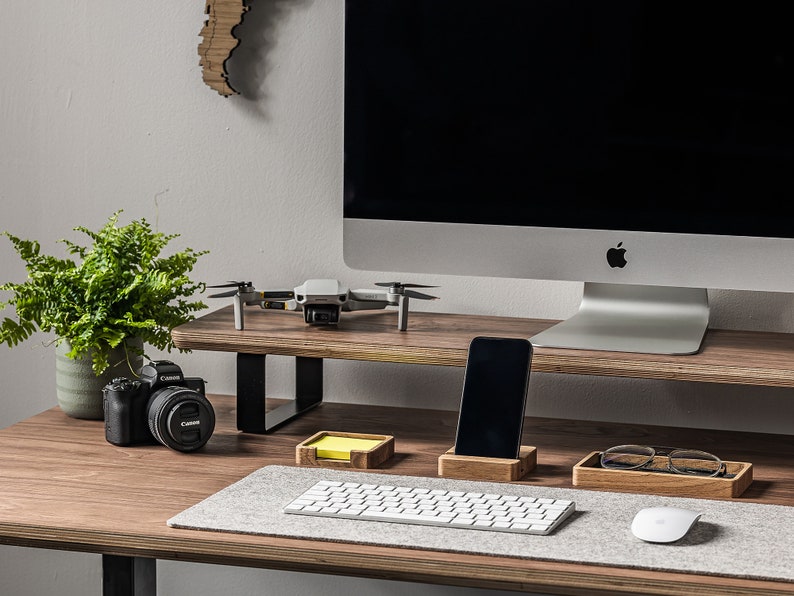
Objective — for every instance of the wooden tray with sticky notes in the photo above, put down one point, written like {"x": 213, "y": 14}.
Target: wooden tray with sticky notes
{"x": 344, "y": 450}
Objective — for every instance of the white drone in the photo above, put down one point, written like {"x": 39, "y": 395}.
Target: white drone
{"x": 322, "y": 300}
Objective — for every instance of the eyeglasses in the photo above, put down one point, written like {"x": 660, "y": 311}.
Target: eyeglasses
{"x": 691, "y": 462}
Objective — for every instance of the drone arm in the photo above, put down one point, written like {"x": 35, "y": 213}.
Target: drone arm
{"x": 353, "y": 304}
{"x": 382, "y": 302}
{"x": 238, "y": 312}
{"x": 402, "y": 313}
{"x": 367, "y": 300}
{"x": 242, "y": 298}
{"x": 277, "y": 304}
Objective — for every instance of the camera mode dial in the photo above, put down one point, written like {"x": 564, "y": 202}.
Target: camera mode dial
{"x": 122, "y": 384}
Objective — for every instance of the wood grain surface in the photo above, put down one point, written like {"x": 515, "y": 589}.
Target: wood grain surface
{"x": 736, "y": 357}
{"x": 63, "y": 486}
{"x": 218, "y": 42}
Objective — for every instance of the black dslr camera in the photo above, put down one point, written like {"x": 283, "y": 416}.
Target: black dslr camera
{"x": 164, "y": 406}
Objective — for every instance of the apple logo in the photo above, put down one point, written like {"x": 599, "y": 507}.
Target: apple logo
{"x": 616, "y": 256}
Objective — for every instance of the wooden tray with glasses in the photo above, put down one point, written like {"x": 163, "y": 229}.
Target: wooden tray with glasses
{"x": 656, "y": 471}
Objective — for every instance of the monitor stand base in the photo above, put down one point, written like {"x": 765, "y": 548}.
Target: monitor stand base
{"x": 626, "y": 318}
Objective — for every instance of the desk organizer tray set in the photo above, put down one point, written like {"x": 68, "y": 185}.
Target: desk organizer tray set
{"x": 588, "y": 473}
{"x": 367, "y": 451}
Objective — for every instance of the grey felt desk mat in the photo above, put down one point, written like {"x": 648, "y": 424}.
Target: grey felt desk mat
{"x": 732, "y": 538}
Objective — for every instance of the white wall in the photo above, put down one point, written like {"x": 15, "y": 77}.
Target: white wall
{"x": 102, "y": 107}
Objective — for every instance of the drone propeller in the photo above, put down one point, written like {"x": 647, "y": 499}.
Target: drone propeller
{"x": 419, "y": 295}
{"x": 223, "y": 294}
{"x": 238, "y": 285}
{"x": 400, "y": 288}
{"x": 232, "y": 284}
{"x": 399, "y": 284}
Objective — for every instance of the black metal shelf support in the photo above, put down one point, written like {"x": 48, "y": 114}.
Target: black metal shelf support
{"x": 252, "y": 414}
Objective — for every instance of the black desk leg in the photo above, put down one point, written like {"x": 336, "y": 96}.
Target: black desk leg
{"x": 128, "y": 576}
{"x": 252, "y": 414}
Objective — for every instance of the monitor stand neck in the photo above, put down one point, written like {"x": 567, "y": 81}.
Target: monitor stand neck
{"x": 626, "y": 318}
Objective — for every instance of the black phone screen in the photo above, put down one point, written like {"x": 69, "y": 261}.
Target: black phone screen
{"x": 494, "y": 395}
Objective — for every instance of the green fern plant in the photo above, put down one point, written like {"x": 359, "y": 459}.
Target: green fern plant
{"x": 119, "y": 286}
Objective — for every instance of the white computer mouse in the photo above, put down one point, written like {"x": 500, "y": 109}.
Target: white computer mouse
{"x": 663, "y": 524}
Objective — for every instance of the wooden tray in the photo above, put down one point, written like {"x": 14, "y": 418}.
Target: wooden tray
{"x": 306, "y": 454}
{"x": 469, "y": 467}
{"x": 588, "y": 473}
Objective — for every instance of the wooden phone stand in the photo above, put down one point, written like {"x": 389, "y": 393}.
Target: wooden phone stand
{"x": 469, "y": 467}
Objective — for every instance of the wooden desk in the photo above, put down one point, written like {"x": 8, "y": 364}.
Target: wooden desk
{"x": 62, "y": 486}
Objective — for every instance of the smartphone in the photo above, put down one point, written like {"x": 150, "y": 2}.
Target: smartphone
{"x": 495, "y": 384}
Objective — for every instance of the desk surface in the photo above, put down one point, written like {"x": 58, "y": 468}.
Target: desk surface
{"x": 63, "y": 486}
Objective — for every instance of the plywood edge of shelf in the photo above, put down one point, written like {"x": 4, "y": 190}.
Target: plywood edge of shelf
{"x": 711, "y": 372}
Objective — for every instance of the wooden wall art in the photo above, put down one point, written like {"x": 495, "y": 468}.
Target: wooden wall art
{"x": 218, "y": 42}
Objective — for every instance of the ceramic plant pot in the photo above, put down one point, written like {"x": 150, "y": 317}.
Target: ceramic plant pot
{"x": 79, "y": 389}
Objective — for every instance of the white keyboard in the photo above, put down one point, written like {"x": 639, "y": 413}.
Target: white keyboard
{"x": 448, "y": 508}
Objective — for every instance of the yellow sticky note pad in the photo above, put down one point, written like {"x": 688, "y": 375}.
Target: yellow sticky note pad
{"x": 335, "y": 447}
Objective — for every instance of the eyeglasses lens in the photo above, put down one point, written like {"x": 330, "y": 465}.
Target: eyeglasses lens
{"x": 626, "y": 457}
{"x": 695, "y": 463}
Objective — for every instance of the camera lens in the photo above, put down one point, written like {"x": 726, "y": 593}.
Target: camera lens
{"x": 180, "y": 418}
{"x": 322, "y": 314}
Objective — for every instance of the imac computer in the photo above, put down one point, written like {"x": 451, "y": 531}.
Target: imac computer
{"x": 645, "y": 148}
